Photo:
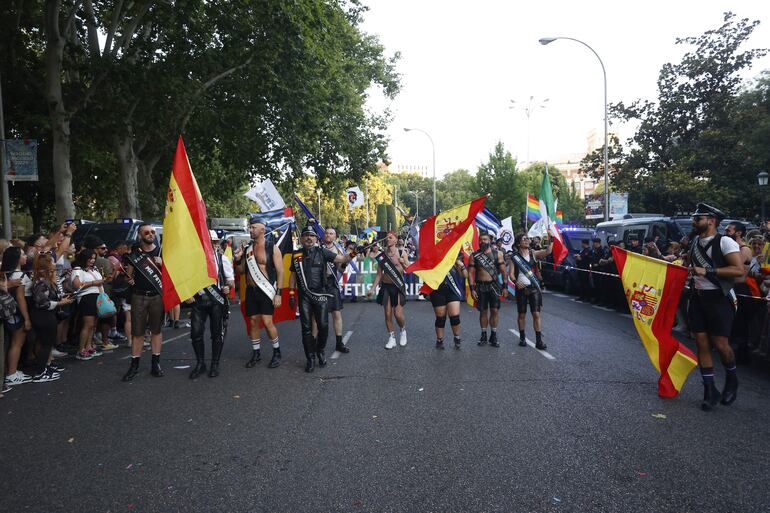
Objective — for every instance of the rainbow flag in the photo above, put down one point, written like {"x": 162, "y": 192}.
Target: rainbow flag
{"x": 188, "y": 257}
{"x": 652, "y": 290}
{"x": 559, "y": 218}
{"x": 533, "y": 208}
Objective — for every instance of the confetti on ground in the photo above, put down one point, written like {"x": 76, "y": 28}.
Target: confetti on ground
{"x": 374, "y": 416}
{"x": 641, "y": 474}
{"x": 658, "y": 415}
{"x": 556, "y": 499}
{"x": 71, "y": 440}
{"x": 420, "y": 389}
{"x": 130, "y": 466}
{"x": 180, "y": 367}
{"x": 236, "y": 397}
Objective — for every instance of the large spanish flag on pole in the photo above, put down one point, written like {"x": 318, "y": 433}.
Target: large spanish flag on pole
{"x": 188, "y": 258}
{"x": 652, "y": 289}
{"x": 442, "y": 237}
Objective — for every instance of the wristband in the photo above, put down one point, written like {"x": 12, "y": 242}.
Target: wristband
{"x": 711, "y": 273}
{"x": 277, "y": 292}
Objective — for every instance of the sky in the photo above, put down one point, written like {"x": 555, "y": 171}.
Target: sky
{"x": 462, "y": 63}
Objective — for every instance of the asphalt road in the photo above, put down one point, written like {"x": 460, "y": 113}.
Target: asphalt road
{"x": 407, "y": 430}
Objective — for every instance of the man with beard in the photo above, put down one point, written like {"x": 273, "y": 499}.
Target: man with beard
{"x": 262, "y": 264}
{"x": 309, "y": 275}
{"x": 528, "y": 292}
{"x": 143, "y": 268}
{"x": 333, "y": 289}
{"x": 392, "y": 295}
{"x": 486, "y": 289}
{"x": 716, "y": 263}
{"x": 212, "y": 303}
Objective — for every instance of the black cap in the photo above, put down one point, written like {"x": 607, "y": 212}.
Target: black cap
{"x": 702, "y": 209}
{"x": 584, "y": 241}
{"x": 308, "y": 229}
{"x": 597, "y": 239}
{"x": 649, "y": 239}
{"x": 92, "y": 242}
{"x": 633, "y": 236}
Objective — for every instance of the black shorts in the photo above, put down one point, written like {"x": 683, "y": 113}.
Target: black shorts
{"x": 487, "y": 296}
{"x": 87, "y": 305}
{"x": 335, "y": 302}
{"x": 443, "y": 295}
{"x": 531, "y": 296}
{"x": 257, "y": 302}
{"x": 390, "y": 294}
{"x": 711, "y": 312}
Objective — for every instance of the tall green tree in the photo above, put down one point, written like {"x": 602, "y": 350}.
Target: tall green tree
{"x": 692, "y": 144}
{"x": 499, "y": 178}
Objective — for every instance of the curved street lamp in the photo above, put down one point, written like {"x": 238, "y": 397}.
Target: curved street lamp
{"x": 548, "y": 40}
{"x": 762, "y": 181}
{"x": 433, "y": 146}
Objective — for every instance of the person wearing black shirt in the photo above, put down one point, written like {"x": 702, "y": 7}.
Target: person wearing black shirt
{"x": 598, "y": 282}
{"x": 308, "y": 275}
{"x": 583, "y": 259}
{"x": 143, "y": 268}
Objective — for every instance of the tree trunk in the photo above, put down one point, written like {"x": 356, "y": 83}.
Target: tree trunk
{"x": 60, "y": 121}
{"x": 150, "y": 200}
{"x": 129, "y": 173}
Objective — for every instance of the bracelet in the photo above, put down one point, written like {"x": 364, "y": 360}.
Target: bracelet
{"x": 277, "y": 292}
{"x": 711, "y": 273}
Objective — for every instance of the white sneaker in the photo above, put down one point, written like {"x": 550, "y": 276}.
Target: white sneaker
{"x": 391, "y": 342}
{"x": 402, "y": 340}
{"x": 17, "y": 378}
{"x": 57, "y": 354}
{"x": 46, "y": 376}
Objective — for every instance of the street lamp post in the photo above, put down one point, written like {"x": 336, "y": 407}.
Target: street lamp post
{"x": 762, "y": 180}
{"x": 547, "y": 40}
{"x": 433, "y": 146}
{"x": 528, "y": 112}
{"x": 416, "y": 203}
{"x": 318, "y": 191}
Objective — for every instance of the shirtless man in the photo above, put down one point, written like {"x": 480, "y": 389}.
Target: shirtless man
{"x": 392, "y": 294}
{"x": 262, "y": 264}
{"x": 486, "y": 288}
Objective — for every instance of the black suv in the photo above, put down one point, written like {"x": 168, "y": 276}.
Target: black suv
{"x": 565, "y": 276}
{"x": 110, "y": 233}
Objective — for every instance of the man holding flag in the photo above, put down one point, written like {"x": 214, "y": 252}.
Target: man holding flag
{"x": 262, "y": 264}
{"x": 485, "y": 266}
{"x": 392, "y": 295}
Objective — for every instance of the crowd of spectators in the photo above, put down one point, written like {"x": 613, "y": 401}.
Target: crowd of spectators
{"x": 49, "y": 291}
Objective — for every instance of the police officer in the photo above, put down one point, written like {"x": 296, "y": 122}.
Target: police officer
{"x": 598, "y": 258}
{"x": 633, "y": 244}
{"x": 308, "y": 275}
{"x": 211, "y": 303}
{"x": 583, "y": 259}
{"x": 715, "y": 262}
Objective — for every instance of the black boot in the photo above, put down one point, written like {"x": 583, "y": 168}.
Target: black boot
{"x": 439, "y": 343}
{"x": 730, "y": 392}
{"x": 483, "y": 339}
{"x": 522, "y": 340}
{"x": 214, "y": 370}
{"x": 256, "y": 357}
{"x": 133, "y": 369}
{"x": 321, "y": 358}
{"x": 309, "y": 346}
{"x": 340, "y": 347}
{"x": 216, "y": 353}
{"x": 539, "y": 344}
{"x": 200, "y": 368}
{"x": 457, "y": 342}
{"x": 275, "y": 361}
{"x": 320, "y": 350}
{"x": 493, "y": 340}
{"x": 156, "y": 370}
{"x": 710, "y": 396}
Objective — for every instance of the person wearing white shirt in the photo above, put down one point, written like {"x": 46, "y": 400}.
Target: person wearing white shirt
{"x": 211, "y": 303}
{"x": 88, "y": 284}
{"x": 716, "y": 263}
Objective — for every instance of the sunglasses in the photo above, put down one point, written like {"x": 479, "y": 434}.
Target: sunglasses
{"x": 149, "y": 233}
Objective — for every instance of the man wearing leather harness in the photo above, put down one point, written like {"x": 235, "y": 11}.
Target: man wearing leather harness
{"x": 446, "y": 300}
{"x": 528, "y": 292}
{"x": 486, "y": 289}
{"x": 716, "y": 262}
{"x": 212, "y": 303}
{"x": 144, "y": 274}
{"x": 392, "y": 294}
{"x": 262, "y": 264}
{"x": 333, "y": 288}
{"x": 309, "y": 276}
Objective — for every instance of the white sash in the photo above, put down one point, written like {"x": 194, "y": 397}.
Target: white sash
{"x": 258, "y": 276}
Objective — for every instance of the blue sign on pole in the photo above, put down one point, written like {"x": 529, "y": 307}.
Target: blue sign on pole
{"x": 20, "y": 163}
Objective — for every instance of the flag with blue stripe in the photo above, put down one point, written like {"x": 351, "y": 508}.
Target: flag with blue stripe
{"x": 488, "y": 222}
{"x": 274, "y": 219}
{"x": 311, "y": 218}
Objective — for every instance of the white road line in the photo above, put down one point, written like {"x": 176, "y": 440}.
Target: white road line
{"x": 336, "y": 354}
{"x": 603, "y": 308}
{"x": 532, "y": 345}
{"x": 165, "y": 342}
{"x": 560, "y": 295}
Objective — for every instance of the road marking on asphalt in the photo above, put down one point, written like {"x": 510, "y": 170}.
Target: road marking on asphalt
{"x": 336, "y": 354}
{"x": 603, "y": 308}
{"x": 165, "y": 342}
{"x": 626, "y": 315}
{"x": 560, "y": 295}
{"x": 532, "y": 345}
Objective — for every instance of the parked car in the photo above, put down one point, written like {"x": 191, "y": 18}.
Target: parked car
{"x": 565, "y": 275}
{"x": 110, "y": 233}
{"x": 665, "y": 228}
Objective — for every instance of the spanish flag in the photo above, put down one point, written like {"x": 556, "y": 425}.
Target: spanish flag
{"x": 442, "y": 237}
{"x": 188, "y": 258}
{"x": 652, "y": 289}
